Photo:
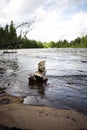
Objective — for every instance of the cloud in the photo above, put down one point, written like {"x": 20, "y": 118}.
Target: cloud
{"x": 22, "y": 7}
{"x": 62, "y": 19}
{"x": 55, "y": 27}
{"x": 17, "y": 9}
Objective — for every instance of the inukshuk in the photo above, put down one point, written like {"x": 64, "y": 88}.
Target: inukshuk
{"x": 40, "y": 75}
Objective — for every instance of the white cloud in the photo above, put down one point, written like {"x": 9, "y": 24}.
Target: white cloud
{"x": 21, "y": 7}
{"x": 54, "y": 22}
{"x": 18, "y": 10}
{"x": 54, "y": 27}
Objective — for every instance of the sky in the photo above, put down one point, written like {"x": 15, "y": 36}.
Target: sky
{"x": 54, "y": 20}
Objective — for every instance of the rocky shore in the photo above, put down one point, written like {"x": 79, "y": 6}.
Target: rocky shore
{"x": 16, "y": 116}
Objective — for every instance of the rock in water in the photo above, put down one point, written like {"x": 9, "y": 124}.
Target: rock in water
{"x": 39, "y": 77}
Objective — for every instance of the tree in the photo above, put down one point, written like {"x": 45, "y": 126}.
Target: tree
{"x": 51, "y": 44}
{"x": 12, "y": 32}
{"x": 6, "y": 33}
{"x": 2, "y": 34}
{"x": 59, "y": 44}
{"x": 25, "y": 27}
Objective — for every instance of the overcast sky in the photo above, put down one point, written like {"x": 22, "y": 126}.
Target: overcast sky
{"x": 55, "y": 19}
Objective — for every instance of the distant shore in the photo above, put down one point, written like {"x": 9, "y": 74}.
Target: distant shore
{"x": 13, "y": 114}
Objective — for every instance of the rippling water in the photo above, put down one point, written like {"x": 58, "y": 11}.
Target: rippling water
{"x": 66, "y": 71}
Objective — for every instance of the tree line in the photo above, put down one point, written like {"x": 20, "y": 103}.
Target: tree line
{"x": 10, "y": 40}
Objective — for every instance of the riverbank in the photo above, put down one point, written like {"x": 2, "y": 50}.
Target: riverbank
{"x": 13, "y": 114}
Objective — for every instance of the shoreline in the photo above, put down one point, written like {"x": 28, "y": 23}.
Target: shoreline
{"x": 14, "y": 114}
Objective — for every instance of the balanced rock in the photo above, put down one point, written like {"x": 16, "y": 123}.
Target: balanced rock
{"x": 40, "y": 75}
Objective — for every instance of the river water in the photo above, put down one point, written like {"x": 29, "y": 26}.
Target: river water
{"x": 66, "y": 71}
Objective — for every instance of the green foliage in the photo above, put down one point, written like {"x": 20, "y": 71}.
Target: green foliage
{"x": 8, "y": 36}
{"x": 12, "y": 32}
{"x": 52, "y": 44}
{"x": 9, "y": 39}
{"x": 31, "y": 44}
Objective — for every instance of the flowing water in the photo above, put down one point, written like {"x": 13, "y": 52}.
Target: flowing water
{"x": 66, "y": 71}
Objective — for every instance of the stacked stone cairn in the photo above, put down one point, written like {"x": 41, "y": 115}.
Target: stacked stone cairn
{"x": 40, "y": 75}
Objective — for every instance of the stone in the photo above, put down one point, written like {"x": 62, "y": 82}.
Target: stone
{"x": 8, "y": 99}
{"x": 39, "y": 77}
{"x": 2, "y": 70}
{"x": 2, "y": 90}
{"x": 41, "y": 66}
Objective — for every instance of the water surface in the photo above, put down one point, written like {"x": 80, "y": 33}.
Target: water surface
{"x": 66, "y": 71}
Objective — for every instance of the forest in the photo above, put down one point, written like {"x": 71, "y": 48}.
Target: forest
{"x": 9, "y": 39}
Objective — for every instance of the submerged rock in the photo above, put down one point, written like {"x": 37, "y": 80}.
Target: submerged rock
{"x": 8, "y": 99}
{"x": 37, "y": 101}
{"x": 2, "y": 90}
{"x": 2, "y": 70}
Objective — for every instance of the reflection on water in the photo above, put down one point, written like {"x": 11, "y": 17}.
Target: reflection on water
{"x": 66, "y": 71}
{"x": 40, "y": 88}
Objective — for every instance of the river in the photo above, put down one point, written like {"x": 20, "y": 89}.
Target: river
{"x": 66, "y": 71}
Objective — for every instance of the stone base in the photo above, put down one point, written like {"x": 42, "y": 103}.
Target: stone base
{"x": 35, "y": 80}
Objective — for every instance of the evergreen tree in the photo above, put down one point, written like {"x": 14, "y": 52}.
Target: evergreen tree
{"x": 12, "y": 33}
{"x": 6, "y": 33}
